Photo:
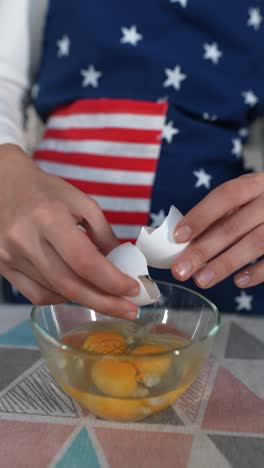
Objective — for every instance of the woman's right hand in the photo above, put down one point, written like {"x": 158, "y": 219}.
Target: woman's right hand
{"x": 43, "y": 251}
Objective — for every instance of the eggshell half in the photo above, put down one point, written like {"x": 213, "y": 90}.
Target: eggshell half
{"x": 158, "y": 245}
{"x": 131, "y": 261}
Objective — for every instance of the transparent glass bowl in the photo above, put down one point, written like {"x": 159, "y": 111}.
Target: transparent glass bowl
{"x": 132, "y": 384}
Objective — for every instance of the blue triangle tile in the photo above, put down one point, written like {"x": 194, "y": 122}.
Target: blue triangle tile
{"x": 21, "y": 335}
{"x": 80, "y": 454}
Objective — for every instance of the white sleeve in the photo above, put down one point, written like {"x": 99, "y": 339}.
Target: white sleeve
{"x": 21, "y": 30}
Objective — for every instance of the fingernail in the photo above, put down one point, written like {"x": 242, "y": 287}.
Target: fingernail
{"x": 183, "y": 268}
{"x": 183, "y": 233}
{"x": 131, "y": 315}
{"x": 243, "y": 279}
{"x": 134, "y": 292}
{"x": 205, "y": 277}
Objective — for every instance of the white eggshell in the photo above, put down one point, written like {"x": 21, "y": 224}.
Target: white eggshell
{"x": 131, "y": 261}
{"x": 158, "y": 245}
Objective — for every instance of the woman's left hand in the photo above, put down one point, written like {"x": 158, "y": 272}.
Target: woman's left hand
{"x": 227, "y": 233}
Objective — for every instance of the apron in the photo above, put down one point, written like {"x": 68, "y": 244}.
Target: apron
{"x": 147, "y": 104}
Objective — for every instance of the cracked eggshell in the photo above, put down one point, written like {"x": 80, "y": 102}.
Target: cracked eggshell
{"x": 158, "y": 245}
{"x": 131, "y": 261}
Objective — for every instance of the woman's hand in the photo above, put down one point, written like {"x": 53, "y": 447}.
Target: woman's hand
{"x": 227, "y": 232}
{"x": 44, "y": 253}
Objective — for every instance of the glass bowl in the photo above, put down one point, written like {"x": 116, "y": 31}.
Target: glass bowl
{"x": 123, "y": 370}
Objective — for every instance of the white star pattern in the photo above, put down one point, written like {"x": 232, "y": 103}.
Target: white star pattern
{"x": 63, "y": 45}
{"x": 250, "y": 98}
{"x": 163, "y": 99}
{"x": 14, "y": 290}
{"x": 174, "y": 77}
{"x": 130, "y": 36}
{"x": 169, "y": 131}
{"x": 182, "y": 2}
{"x": 255, "y": 18}
{"x": 210, "y": 117}
{"x": 212, "y": 52}
{"x": 90, "y": 77}
{"x": 243, "y": 132}
{"x": 157, "y": 218}
{"x": 237, "y": 147}
{"x": 203, "y": 179}
{"x": 244, "y": 301}
{"x": 35, "y": 91}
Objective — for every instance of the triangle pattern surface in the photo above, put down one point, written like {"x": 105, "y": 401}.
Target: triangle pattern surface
{"x": 38, "y": 394}
{"x": 167, "y": 417}
{"x": 241, "y": 452}
{"x": 80, "y": 453}
{"x": 191, "y": 400}
{"x": 233, "y": 407}
{"x": 148, "y": 449}
{"x": 15, "y": 362}
{"x": 20, "y": 335}
{"x": 243, "y": 345}
{"x": 31, "y": 445}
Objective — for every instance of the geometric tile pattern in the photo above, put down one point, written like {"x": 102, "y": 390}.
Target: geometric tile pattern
{"x": 30, "y": 445}
{"x": 166, "y": 417}
{"x": 130, "y": 449}
{"x": 14, "y": 362}
{"x": 191, "y": 400}
{"x": 243, "y": 345}
{"x": 80, "y": 453}
{"x": 38, "y": 394}
{"x": 205, "y": 454}
{"x": 21, "y": 335}
{"x": 241, "y": 452}
{"x": 218, "y": 422}
{"x": 231, "y": 397}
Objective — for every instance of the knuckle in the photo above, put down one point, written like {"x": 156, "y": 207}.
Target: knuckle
{"x": 258, "y": 237}
{"x": 67, "y": 288}
{"x": 5, "y": 256}
{"x": 199, "y": 256}
{"x": 257, "y": 272}
{"x": 85, "y": 264}
{"x": 224, "y": 266}
{"x": 231, "y": 227}
{"x": 14, "y": 237}
{"x": 44, "y": 210}
{"x": 93, "y": 204}
{"x": 38, "y": 297}
{"x": 233, "y": 191}
{"x": 108, "y": 306}
{"x": 256, "y": 178}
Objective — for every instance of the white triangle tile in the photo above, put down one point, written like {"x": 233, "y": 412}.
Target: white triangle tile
{"x": 204, "y": 454}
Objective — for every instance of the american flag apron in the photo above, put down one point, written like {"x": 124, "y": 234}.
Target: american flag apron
{"x": 108, "y": 149}
{"x": 112, "y": 73}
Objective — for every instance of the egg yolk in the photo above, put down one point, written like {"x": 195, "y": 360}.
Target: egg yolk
{"x": 110, "y": 408}
{"x": 122, "y": 410}
{"x": 150, "y": 370}
{"x": 115, "y": 378}
{"x": 105, "y": 343}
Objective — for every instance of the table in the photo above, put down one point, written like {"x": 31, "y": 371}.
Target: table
{"x": 217, "y": 423}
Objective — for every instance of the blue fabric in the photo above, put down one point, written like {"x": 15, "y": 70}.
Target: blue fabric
{"x": 208, "y": 109}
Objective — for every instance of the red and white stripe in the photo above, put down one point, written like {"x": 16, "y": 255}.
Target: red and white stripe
{"x": 109, "y": 149}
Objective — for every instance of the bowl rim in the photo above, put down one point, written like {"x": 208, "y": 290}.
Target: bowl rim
{"x": 214, "y": 330}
